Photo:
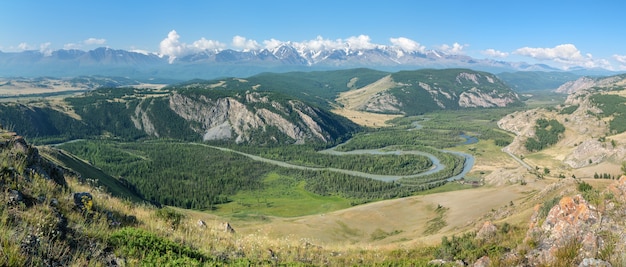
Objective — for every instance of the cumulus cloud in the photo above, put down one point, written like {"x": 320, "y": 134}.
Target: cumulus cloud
{"x": 319, "y": 43}
{"x": 494, "y": 53}
{"x": 407, "y": 44}
{"x": 454, "y": 49}
{"x": 70, "y": 46}
{"x": 563, "y": 52}
{"x": 272, "y": 43}
{"x": 360, "y": 42}
{"x": 620, "y": 58}
{"x": 244, "y": 43}
{"x": 204, "y": 44}
{"x": 23, "y": 46}
{"x": 94, "y": 41}
{"x": 173, "y": 48}
{"x": 81, "y": 44}
{"x": 45, "y": 49}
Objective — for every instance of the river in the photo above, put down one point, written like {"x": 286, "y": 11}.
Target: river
{"x": 437, "y": 165}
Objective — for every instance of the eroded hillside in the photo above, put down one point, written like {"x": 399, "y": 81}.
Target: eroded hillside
{"x": 593, "y": 140}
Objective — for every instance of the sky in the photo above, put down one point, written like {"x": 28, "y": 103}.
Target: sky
{"x": 559, "y": 33}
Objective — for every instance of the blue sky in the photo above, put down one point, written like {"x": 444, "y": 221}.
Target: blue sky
{"x": 559, "y": 33}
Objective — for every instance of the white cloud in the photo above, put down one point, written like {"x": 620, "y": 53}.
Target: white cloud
{"x": 94, "y": 41}
{"x": 494, "y": 53}
{"x": 243, "y": 43}
{"x": 454, "y": 49}
{"x": 45, "y": 49}
{"x": 23, "y": 46}
{"x": 620, "y": 58}
{"x": 140, "y": 51}
{"x": 563, "y": 52}
{"x": 204, "y": 44}
{"x": 81, "y": 44}
{"x": 173, "y": 48}
{"x": 319, "y": 43}
{"x": 407, "y": 44}
{"x": 272, "y": 43}
{"x": 360, "y": 42}
{"x": 70, "y": 46}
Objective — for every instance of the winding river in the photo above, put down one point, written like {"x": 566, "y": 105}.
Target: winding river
{"x": 437, "y": 165}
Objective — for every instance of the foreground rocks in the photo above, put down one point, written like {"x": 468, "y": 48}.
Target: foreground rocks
{"x": 589, "y": 232}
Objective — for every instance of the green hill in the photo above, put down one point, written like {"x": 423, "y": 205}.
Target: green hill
{"x": 536, "y": 80}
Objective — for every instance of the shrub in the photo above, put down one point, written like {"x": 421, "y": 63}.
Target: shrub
{"x": 149, "y": 248}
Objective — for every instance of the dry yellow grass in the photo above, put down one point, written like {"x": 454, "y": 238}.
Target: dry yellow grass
{"x": 367, "y": 119}
{"x": 409, "y": 216}
{"x": 352, "y": 101}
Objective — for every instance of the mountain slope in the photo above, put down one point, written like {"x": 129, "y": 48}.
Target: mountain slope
{"x": 536, "y": 80}
{"x": 584, "y": 83}
{"x": 595, "y": 131}
{"x": 186, "y": 112}
{"x": 417, "y": 92}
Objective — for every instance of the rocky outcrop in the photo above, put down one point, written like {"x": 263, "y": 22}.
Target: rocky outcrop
{"x": 581, "y": 141}
{"x": 476, "y": 98}
{"x": 578, "y": 231}
{"x": 382, "y": 102}
{"x": 487, "y": 231}
{"x": 141, "y": 120}
{"x": 242, "y": 117}
{"x": 581, "y": 83}
{"x": 585, "y": 83}
{"x": 593, "y": 151}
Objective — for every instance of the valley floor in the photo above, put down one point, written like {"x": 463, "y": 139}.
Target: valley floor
{"x": 405, "y": 220}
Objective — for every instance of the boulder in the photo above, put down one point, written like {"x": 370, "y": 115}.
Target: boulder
{"x": 487, "y": 231}
{"x": 83, "y": 201}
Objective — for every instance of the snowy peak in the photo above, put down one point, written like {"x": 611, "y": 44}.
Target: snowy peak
{"x": 211, "y": 63}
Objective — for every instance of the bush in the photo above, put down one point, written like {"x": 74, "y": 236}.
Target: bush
{"x": 584, "y": 187}
{"x": 171, "y": 216}
{"x": 149, "y": 248}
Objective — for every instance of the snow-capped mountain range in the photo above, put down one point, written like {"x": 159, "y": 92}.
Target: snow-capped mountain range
{"x": 228, "y": 62}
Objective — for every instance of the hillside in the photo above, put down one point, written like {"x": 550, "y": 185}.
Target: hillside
{"x": 267, "y": 108}
{"x": 585, "y": 83}
{"x": 536, "y": 80}
{"x": 180, "y": 113}
{"x": 54, "y": 218}
{"x": 370, "y": 97}
{"x": 592, "y": 143}
{"x": 418, "y": 92}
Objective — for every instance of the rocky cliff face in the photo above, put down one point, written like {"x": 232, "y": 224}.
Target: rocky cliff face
{"x": 242, "y": 117}
{"x": 587, "y": 139}
{"x": 421, "y": 91}
{"x": 585, "y": 83}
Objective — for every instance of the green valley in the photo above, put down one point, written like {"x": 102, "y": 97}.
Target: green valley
{"x": 272, "y": 157}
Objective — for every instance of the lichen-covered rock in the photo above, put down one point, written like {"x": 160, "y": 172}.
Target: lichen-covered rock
{"x": 15, "y": 197}
{"x": 487, "y": 231}
{"x": 83, "y": 201}
{"x": 590, "y": 262}
{"x": 571, "y": 224}
{"x": 484, "y": 261}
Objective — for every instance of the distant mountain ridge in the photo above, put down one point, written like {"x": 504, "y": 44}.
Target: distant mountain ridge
{"x": 267, "y": 108}
{"x": 210, "y": 64}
